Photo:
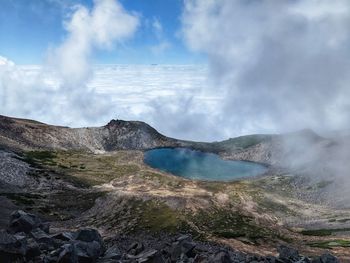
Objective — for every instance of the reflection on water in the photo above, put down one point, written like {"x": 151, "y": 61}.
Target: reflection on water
{"x": 201, "y": 166}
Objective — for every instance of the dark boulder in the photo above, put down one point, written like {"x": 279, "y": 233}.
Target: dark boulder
{"x": 326, "y": 258}
{"x": 33, "y": 249}
{"x": 88, "y": 251}
{"x": 270, "y": 259}
{"x": 24, "y": 222}
{"x": 40, "y": 236}
{"x": 77, "y": 251}
{"x": 52, "y": 256}
{"x": 146, "y": 256}
{"x": 66, "y": 254}
{"x": 13, "y": 248}
{"x": 221, "y": 257}
{"x": 288, "y": 254}
{"x": 135, "y": 248}
{"x": 88, "y": 235}
{"x": 182, "y": 247}
{"x": 201, "y": 259}
{"x": 64, "y": 236}
{"x": 112, "y": 253}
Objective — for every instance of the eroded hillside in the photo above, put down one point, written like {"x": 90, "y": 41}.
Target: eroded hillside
{"x": 85, "y": 181}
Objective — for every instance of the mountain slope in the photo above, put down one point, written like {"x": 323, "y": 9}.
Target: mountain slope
{"x": 116, "y": 135}
{"x": 57, "y": 175}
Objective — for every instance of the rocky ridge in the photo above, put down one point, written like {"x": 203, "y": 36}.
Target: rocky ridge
{"x": 41, "y": 164}
{"x": 277, "y": 150}
{"x": 23, "y": 134}
{"x": 28, "y": 239}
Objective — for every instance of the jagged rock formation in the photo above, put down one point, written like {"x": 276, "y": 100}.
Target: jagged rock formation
{"x": 28, "y": 239}
{"x": 116, "y": 135}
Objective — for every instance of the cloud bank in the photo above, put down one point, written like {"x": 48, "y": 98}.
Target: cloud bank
{"x": 70, "y": 100}
{"x": 281, "y": 65}
{"x": 274, "y": 66}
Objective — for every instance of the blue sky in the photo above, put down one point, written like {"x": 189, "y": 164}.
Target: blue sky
{"x": 28, "y": 28}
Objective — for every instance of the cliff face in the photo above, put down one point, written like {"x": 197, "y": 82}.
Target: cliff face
{"x": 116, "y": 135}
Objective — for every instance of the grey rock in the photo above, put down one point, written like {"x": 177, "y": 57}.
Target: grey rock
{"x": 12, "y": 247}
{"x": 88, "y": 251}
{"x": 24, "y": 222}
{"x": 150, "y": 255}
{"x": 182, "y": 247}
{"x": 67, "y": 254}
{"x": 304, "y": 260}
{"x": 288, "y": 254}
{"x": 89, "y": 235}
{"x": 52, "y": 257}
{"x": 113, "y": 253}
{"x": 221, "y": 257}
{"x": 200, "y": 259}
{"x": 64, "y": 236}
{"x": 135, "y": 248}
{"x": 326, "y": 258}
{"x": 183, "y": 237}
{"x": 81, "y": 252}
{"x": 40, "y": 236}
{"x": 33, "y": 249}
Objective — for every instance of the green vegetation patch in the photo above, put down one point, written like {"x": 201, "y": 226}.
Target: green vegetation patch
{"x": 232, "y": 144}
{"x": 227, "y": 223}
{"x": 323, "y": 232}
{"x": 40, "y": 157}
{"x": 137, "y": 215}
{"x": 330, "y": 244}
{"x": 248, "y": 141}
{"x": 87, "y": 168}
{"x": 269, "y": 205}
{"x": 159, "y": 217}
{"x": 243, "y": 142}
{"x": 161, "y": 179}
{"x": 343, "y": 220}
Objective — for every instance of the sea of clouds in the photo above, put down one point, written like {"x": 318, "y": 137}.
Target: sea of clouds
{"x": 169, "y": 97}
{"x": 273, "y": 66}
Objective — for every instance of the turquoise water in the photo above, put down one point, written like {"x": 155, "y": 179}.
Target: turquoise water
{"x": 199, "y": 165}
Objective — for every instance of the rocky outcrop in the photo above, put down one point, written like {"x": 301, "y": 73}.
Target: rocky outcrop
{"x": 13, "y": 171}
{"x": 31, "y": 241}
{"x": 19, "y": 134}
{"x": 24, "y": 222}
{"x": 28, "y": 239}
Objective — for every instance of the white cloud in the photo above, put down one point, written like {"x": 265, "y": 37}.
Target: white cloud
{"x": 154, "y": 94}
{"x": 157, "y": 27}
{"x": 273, "y": 66}
{"x": 70, "y": 99}
{"x": 163, "y": 43}
{"x": 160, "y": 47}
{"x": 280, "y": 64}
{"x": 99, "y": 28}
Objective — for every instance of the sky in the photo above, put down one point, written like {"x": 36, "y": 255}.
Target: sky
{"x": 39, "y": 24}
{"x": 202, "y": 70}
